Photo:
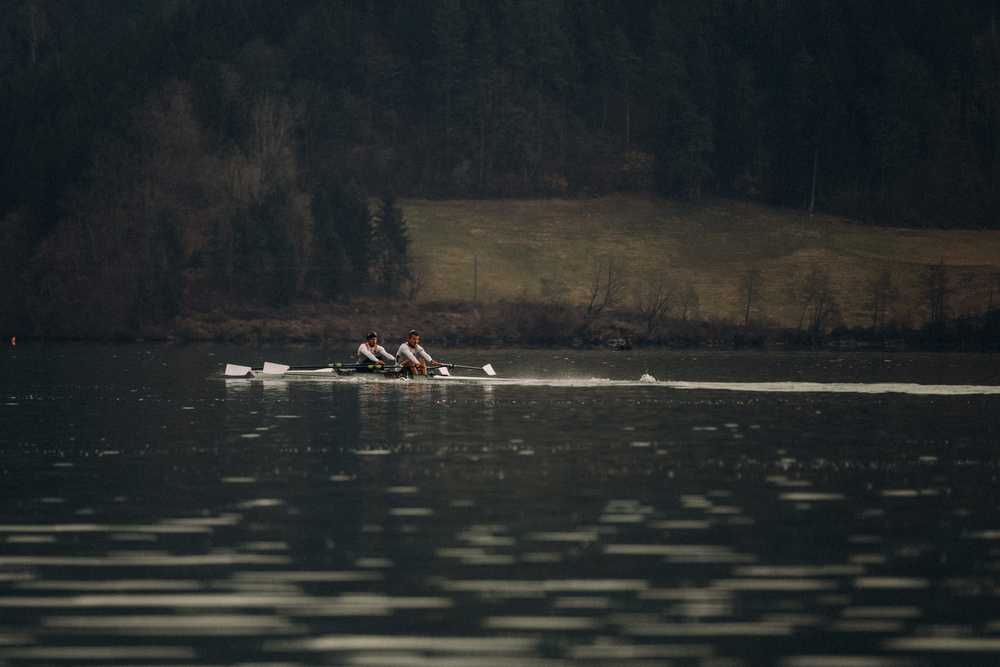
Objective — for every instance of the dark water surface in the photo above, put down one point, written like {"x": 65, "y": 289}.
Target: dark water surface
{"x": 153, "y": 513}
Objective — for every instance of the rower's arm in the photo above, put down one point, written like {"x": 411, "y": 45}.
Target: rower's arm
{"x": 385, "y": 353}
{"x": 367, "y": 353}
{"x": 406, "y": 355}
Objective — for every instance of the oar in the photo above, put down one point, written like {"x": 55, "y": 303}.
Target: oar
{"x": 488, "y": 368}
{"x": 237, "y": 371}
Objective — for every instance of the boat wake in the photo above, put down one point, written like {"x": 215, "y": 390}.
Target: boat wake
{"x": 649, "y": 381}
{"x": 766, "y": 387}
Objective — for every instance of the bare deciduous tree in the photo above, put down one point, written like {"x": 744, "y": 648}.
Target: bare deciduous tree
{"x": 882, "y": 292}
{"x": 994, "y": 283}
{"x": 750, "y": 286}
{"x": 689, "y": 302}
{"x": 606, "y": 288}
{"x": 653, "y": 302}
{"x": 819, "y": 305}
{"x": 935, "y": 285}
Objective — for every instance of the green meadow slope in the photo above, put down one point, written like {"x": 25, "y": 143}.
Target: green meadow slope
{"x": 540, "y": 248}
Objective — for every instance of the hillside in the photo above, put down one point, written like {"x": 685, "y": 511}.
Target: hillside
{"x": 525, "y": 244}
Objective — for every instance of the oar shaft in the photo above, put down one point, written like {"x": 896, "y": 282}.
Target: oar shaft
{"x": 336, "y": 365}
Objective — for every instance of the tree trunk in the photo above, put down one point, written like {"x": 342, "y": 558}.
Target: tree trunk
{"x": 812, "y": 193}
{"x": 746, "y": 315}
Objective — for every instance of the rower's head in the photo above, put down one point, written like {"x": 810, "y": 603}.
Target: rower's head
{"x": 372, "y": 338}
{"x": 413, "y": 338}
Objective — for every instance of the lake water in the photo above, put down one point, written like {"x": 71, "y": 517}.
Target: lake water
{"x": 762, "y": 509}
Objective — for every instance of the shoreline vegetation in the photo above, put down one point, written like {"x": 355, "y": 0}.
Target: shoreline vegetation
{"x": 525, "y": 324}
{"x": 616, "y": 271}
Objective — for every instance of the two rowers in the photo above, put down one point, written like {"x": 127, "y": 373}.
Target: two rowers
{"x": 411, "y": 356}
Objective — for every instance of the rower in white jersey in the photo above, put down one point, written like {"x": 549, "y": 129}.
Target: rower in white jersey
{"x": 413, "y": 358}
{"x": 371, "y": 352}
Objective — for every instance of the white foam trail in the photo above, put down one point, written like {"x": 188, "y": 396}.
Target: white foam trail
{"x": 842, "y": 387}
{"x": 648, "y": 381}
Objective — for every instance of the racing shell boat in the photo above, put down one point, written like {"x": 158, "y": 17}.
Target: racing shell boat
{"x": 339, "y": 370}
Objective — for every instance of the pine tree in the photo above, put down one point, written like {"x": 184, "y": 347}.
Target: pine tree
{"x": 391, "y": 247}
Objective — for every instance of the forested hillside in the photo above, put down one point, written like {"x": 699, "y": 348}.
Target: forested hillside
{"x": 164, "y": 154}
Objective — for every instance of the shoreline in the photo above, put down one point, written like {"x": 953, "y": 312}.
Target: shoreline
{"x": 531, "y": 325}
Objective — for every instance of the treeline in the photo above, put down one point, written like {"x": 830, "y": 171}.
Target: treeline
{"x": 238, "y": 141}
{"x": 663, "y": 308}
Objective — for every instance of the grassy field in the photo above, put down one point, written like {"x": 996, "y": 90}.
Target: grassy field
{"x": 525, "y": 245}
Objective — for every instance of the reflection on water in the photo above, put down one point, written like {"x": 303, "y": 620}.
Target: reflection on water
{"x": 154, "y": 514}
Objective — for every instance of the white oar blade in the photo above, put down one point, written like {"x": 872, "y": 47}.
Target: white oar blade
{"x": 488, "y": 369}
{"x": 443, "y": 370}
{"x": 237, "y": 371}
{"x": 271, "y": 368}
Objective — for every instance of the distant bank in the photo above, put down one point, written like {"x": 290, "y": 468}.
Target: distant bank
{"x": 546, "y": 249}
{"x": 635, "y": 269}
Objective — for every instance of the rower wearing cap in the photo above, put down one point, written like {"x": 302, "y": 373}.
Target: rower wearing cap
{"x": 371, "y": 352}
{"x": 413, "y": 358}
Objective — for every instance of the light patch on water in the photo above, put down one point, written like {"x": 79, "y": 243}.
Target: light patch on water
{"x": 250, "y": 436}
{"x": 541, "y": 557}
{"x": 891, "y": 582}
{"x": 31, "y": 539}
{"x": 261, "y": 502}
{"x": 682, "y": 524}
{"x": 359, "y": 643}
{"x": 264, "y": 546}
{"x": 808, "y": 497}
{"x": 172, "y": 624}
{"x": 616, "y": 650}
{"x": 622, "y": 518}
{"x": 881, "y": 612}
{"x": 565, "y": 536}
{"x": 798, "y": 570}
{"x": 550, "y": 623}
{"x": 74, "y": 654}
{"x": 239, "y": 480}
{"x": 900, "y": 493}
{"x": 843, "y": 661}
{"x": 721, "y": 629}
{"x": 9, "y": 639}
{"x": 522, "y": 586}
{"x": 945, "y": 644}
{"x": 57, "y": 528}
{"x": 986, "y": 535}
{"x": 402, "y": 489}
{"x": 112, "y": 585}
{"x": 372, "y": 452}
{"x": 681, "y": 553}
{"x": 686, "y": 594}
{"x": 142, "y": 560}
{"x": 792, "y": 585}
{"x": 411, "y": 511}
{"x": 308, "y": 576}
